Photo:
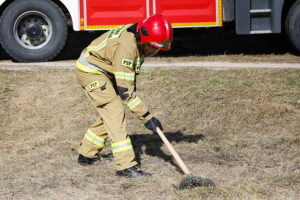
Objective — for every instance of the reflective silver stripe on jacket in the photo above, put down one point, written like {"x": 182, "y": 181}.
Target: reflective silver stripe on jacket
{"x": 90, "y": 65}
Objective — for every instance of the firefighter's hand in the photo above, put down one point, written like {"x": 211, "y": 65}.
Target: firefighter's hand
{"x": 152, "y": 124}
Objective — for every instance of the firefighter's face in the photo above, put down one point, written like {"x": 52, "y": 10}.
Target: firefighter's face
{"x": 149, "y": 49}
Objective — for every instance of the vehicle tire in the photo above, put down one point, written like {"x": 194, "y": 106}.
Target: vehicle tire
{"x": 33, "y": 30}
{"x": 292, "y": 25}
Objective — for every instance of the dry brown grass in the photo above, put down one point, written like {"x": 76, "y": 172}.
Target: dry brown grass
{"x": 260, "y": 57}
{"x": 238, "y": 127}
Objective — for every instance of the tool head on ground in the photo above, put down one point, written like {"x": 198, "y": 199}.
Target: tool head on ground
{"x": 191, "y": 181}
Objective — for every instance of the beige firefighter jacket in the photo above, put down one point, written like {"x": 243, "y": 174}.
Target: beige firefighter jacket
{"x": 116, "y": 55}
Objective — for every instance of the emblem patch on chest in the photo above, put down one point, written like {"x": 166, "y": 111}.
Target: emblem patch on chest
{"x": 127, "y": 63}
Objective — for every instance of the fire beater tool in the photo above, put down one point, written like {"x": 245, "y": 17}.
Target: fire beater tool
{"x": 190, "y": 180}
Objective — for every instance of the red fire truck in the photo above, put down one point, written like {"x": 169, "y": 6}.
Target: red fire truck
{"x": 37, "y": 30}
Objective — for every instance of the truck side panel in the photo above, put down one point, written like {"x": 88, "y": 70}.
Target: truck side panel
{"x": 192, "y": 13}
{"x": 1, "y": 2}
{"x": 277, "y": 6}
{"x": 73, "y": 8}
{"x": 102, "y": 14}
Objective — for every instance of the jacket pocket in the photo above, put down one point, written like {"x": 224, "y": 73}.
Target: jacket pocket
{"x": 100, "y": 92}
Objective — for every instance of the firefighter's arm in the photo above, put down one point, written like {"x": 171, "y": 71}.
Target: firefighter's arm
{"x": 125, "y": 78}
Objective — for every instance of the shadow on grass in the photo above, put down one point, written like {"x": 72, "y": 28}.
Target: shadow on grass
{"x": 153, "y": 145}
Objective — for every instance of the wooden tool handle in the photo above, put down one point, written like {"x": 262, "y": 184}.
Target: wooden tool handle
{"x": 173, "y": 152}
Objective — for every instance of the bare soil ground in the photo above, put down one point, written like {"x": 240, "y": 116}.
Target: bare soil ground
{"x": 238, "y": 127}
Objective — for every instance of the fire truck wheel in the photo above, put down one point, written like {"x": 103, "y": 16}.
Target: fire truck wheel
{"x": 292, "y": 25}
{"x": 33, "y": 30}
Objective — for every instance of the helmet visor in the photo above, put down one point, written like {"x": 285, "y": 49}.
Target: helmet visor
{"x": 165, "y": 45}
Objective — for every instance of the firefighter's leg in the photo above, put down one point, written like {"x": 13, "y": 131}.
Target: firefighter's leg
{"x": 93, "y": 140}
{"x": 101, "y": 91}
{"x": 115, "y": 124}
{"x": 95, "y": 136}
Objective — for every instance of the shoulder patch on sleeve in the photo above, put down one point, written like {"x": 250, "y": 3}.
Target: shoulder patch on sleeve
{"x": 127, "y": 63}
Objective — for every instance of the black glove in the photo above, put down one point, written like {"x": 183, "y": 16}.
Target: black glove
{"x": 152, "y": 124}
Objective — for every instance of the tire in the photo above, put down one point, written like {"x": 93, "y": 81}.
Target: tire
{"x": 292, "y": 25}
{"x": 33, "y": 30}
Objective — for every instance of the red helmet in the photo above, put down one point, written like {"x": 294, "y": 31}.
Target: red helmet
{"x": 156, "y": 30}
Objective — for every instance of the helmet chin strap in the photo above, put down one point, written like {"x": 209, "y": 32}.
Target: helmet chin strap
{"x": 137, "y": 37}
{"x": 141, "y": 48}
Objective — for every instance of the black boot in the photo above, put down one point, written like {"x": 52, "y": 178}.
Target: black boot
{"x": 87, "y": 161}
{"x": 133, "y": 172}
{"x": 105, "y": 157}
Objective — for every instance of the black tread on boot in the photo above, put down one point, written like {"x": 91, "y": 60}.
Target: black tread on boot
{"x": 133, "y": 172}
{"x": 90, "y": 161}
{"x": 87, "y": 161}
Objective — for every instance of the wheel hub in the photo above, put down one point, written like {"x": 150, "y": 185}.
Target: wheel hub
{"x": 34, "y": 31}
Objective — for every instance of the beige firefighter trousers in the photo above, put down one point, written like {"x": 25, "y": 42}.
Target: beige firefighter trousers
{"x": 112, "y": 123}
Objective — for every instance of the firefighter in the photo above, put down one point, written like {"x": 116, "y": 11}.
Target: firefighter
{"x": 107, "y": 71}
